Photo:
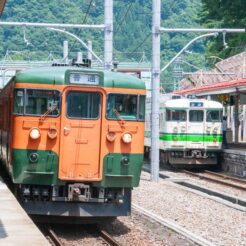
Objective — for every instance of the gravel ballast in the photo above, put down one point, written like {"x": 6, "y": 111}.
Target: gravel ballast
{"x": 209, "y": 219}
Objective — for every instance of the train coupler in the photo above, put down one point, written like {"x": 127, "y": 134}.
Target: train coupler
{"x": 79, "y": 192}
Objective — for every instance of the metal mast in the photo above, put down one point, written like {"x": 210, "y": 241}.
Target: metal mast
{"x": 108, "y": 34}
{"x": 155, "y": 93}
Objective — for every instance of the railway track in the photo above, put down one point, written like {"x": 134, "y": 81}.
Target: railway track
{"x": 220, "y": 178}
{"x": 52, "y": 236}
{"x": 108, "y": 239}
{"x": 100, "y": 235}
{"x": 167, "y": 223}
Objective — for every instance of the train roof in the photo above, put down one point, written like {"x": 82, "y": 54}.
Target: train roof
{"x": 60, "y": 76}
{"x": 186, "y": 103}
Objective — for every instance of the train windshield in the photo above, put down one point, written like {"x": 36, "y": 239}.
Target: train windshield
{"x": 214, "y": 116}
{"x": 196, "y": 115}
{"x": 175, "y": 115}
{"x": 36, "y": 102}
{"x": 85, "y": 105}
{"x": 125, "y": 106}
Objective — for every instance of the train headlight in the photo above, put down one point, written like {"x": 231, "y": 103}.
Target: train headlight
{"x": 52, "y": 133}
{"x": 111, "y": 136}
{"x": 127, "y": 137}
{"x": 34, "y": 133}
{"x": 215, "y": 130}
{"x": 175, "y": 129}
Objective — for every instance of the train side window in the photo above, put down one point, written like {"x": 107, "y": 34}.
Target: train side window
{"x": 196, "y": 116}
{"x": 84, "y": 105}
{"x": 19, "y": 101}
{"x": 214, "y": 116}
{"x": 175, "y": 115}
{"x": 142, "y": 108}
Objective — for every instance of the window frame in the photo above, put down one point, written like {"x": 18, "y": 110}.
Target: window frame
{"x": 186, "y": 117}
{"x": 138, "y": 107}
{"x": 218, "y": 110}
{"x": 24, "y": 101}
{"x": 203, "y": 116}
{"x": 80, "y": 118}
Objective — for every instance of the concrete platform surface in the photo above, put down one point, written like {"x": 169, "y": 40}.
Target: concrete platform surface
{"x": 16, "y": 228}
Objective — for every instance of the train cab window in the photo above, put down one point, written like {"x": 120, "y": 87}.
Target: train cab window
{"x": 175, "y": 115}
{"x": 39, "y": 102}
{"x": 196, "y": 115}
{"x": 36, "y": 102}
{"x": 125, "y": 106}
{"x": 84, "y": 105}
{"x": 214, "y": 116}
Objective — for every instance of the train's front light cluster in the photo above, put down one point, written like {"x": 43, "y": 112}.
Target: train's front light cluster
{"x": 127, "y": 137}
{"x": 111, "y": 136}
{"x": 34, "y": 133}
{"x": 215, "y": 130}
{"x": 52, "y": 132}
{"x": 175, "y": 129}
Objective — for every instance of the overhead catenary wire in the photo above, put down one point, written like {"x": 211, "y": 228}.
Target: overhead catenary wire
{"x": 123, "y": 18}
{"x": 83, "y": 22}
{"x": 137, "y": 47}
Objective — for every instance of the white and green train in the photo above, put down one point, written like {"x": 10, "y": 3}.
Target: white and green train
{"x": 190, "y": 131}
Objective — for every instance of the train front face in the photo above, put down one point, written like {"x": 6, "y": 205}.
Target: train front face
{"x": 194, "y": 131}
{"x": 78, "y": 136}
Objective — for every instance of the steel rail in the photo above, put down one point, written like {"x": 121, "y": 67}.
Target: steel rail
{"x": 242, "y": 181}
{"x": 108, "y": 239}
{"x": 54, "y": 237}
{"x": 172, "y": 225}
{"x": 215, "y": 180}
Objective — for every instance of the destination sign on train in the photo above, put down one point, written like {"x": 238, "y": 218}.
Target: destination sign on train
{"x": 196, "y": 104}
{"x": 79, "y": 78}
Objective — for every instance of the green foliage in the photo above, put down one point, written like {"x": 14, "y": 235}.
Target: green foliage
{"x": 225, "y": 14}
{"x": 132, "y": 29}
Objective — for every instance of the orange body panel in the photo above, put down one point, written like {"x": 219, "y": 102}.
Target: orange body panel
{"x": 80, "y": 144}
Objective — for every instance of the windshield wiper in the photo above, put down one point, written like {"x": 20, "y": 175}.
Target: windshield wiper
{"x": 121, "y": 120}
{"x": 50, "y": 110}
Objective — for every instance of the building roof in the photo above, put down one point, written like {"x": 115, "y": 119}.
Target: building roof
{"x": 231, "y": 68}
{"x": 217, "y": 88}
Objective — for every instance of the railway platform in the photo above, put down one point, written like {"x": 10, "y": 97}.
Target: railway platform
{"x": 16, "y": 228}
{"x": 234, "y": 159}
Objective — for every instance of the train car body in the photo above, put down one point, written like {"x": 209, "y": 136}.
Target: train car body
{"x": 72, "y": 140}
{"x": 190, "y": 131}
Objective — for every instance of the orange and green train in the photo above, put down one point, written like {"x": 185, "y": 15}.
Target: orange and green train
{"x": 72, "y": 140}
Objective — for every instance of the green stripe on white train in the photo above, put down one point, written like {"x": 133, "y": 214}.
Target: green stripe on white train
{"x": 191, "y": 137}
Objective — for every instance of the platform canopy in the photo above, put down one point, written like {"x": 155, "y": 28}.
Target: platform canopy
{"x": 227, "y": 87}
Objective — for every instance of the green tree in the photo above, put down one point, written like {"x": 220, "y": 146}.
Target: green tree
{"x": 225, "y": 14}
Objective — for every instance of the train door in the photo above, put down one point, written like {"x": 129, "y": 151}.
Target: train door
{"x": 80, "y": 135}
{"x": 213, "y": 127}
{"x": 195, "y": 133}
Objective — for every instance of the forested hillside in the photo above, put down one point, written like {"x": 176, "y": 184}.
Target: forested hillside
{"x": 132, "y": 29}
{"x": 132, "y": 25}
